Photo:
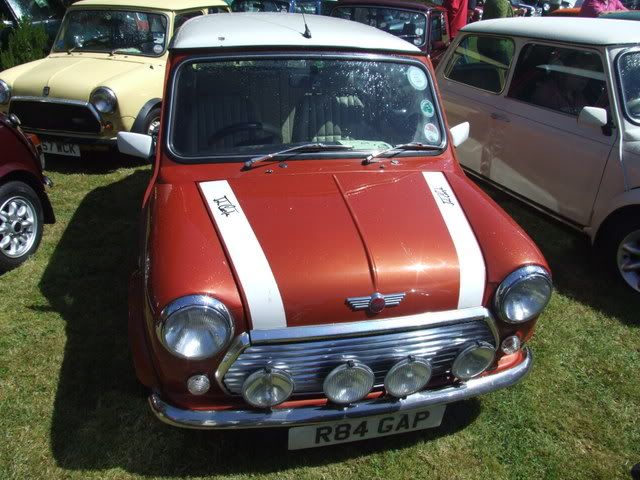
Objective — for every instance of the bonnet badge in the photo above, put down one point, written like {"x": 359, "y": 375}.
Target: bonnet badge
{"x": 45, "y": 91}
{"x": 376, "y": 302}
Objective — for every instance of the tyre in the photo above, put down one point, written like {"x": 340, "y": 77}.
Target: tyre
{"x": 621, "y": 250}
{"x": 151, "y": 125}
{"x": 21, "y": 221}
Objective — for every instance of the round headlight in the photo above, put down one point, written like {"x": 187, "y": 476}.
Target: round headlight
{"x": 5, "y": 93}
{"x": 523, "y": 294}
{"x": 104, "y": 100}
{"x": 473, "y": 360}
{"x": 267, "y": 388}
{"x": 348, "y": 383}
{"x": 195, "y": 327}
{"x": 407, "y": 376}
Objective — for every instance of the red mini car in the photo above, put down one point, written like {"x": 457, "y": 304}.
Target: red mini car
{"x": 24, "y": 205}
{"x": 313, "y": 255}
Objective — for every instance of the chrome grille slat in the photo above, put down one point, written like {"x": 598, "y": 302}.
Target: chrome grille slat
{"x": 310, "y": 361}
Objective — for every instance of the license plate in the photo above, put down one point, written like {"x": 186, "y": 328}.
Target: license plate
{"x": 344, "y": 431}
{"x": 59, "y": 148}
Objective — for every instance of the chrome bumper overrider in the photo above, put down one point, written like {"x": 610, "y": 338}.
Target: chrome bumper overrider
{"x": 221, "y": 419}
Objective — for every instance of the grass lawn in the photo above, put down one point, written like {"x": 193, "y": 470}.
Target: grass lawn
{"x": 70, "y": 406}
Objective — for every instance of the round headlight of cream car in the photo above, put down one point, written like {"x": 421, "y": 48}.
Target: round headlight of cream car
{"x": 523, "y": 294}
{"x": 5, "y": 93}
{"x": 104, "y": 100}
{"x": 195, "y": 327}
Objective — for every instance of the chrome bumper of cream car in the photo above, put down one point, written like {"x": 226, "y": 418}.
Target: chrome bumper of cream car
{"x": 285, "y": 417}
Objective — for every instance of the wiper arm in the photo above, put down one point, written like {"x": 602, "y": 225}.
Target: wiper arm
{"x": 320, "y": 147}
{"x": 398, "y": 148}
{"x": 69, "y": 50}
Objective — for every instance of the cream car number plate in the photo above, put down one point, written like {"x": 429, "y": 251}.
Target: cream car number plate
{"x": 351, "y": 430}
{"x": 59, "y": 148}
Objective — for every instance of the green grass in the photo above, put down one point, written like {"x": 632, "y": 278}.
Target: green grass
{"x": 70, "y": 406}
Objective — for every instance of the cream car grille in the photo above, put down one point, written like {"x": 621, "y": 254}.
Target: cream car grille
{"x": 54, "y": 116}
{"x": 309, "y": 362}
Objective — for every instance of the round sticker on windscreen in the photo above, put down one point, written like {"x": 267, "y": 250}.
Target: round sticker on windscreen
{"x": 431, "y": 133}
{"x": 426, "y": 107}
{"x": 157, "y": 48}
{"x": 417, "y": 78}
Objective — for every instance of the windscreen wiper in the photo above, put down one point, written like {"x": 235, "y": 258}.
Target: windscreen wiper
{"x": 307, "y": 147}
{"x": 398, "y": 148}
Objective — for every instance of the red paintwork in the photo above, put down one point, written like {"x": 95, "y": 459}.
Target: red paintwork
{"x": 335, "y": 229}
{"x": 20, "y": 160}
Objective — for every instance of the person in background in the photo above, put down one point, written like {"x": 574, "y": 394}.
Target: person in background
{"x": 457, "y": 14}
{"x": 496, "y": 9}
{"x": 593, "y": 8}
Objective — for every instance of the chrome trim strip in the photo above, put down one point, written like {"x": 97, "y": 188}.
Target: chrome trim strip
{"x": 239, "y": 344}
{"x": 286, "y": 417}
{"x": 367, "y": 327}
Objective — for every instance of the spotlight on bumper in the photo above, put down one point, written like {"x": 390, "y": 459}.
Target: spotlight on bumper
{"x": 473, "y": 360}
{"x": 348, "y": 383}
{"x": 407, "y": 376}
{"x": 267, "y": 387}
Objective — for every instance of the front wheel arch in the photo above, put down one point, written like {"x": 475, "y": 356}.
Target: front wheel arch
{"x": 139, "y": 123}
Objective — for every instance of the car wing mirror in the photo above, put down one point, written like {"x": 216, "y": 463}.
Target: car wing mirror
{"x": 135, "y": 144}
{"x": 460, "y": 133}
{"x": 593, "y": 117}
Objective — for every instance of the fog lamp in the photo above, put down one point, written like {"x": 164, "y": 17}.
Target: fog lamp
{"x": 407, "y": 376}
{"x": 267, "y": 387}
{"x": 348, "y": 383}
{"x": 511, "y": 345}
{"x": 198, "y": 384}
{"x": 473, "y": 360}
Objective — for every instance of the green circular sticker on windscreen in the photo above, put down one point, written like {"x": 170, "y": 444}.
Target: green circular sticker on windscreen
{"x": 426, "y": 107}
{"x": 417, "y": 78}
{"x": 431, "y": 133}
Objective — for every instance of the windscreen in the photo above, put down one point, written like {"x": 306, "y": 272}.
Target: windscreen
{"x": 230, "y": 108}
{"x": 408, "y": 25}
{"x": 629, "y": 71}
{"x": 113, "y": 31}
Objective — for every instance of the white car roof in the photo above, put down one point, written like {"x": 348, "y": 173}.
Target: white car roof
{"x": 591, "y": 31}
{"x": 283, "y": 30}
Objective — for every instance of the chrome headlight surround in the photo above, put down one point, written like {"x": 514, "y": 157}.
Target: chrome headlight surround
{"x": 528, "y": 289}
{"x": 5, "y": 92}
{"x": 104, "y": 100}
{"x": 212, "y": 331}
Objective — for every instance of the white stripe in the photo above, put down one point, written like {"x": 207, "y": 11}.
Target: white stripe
{"x": 251, "y": 266}
{"x": 472, "y": 268}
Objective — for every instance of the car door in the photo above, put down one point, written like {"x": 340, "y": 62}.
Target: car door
{"x": 543, "y": 154}
{"x": 472, "y": 80}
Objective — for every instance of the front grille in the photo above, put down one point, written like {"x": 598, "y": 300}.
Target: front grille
{"x": 309, "y": 362}
{"x": 56, "y": 116}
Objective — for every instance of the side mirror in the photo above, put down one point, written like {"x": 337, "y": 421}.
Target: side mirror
{"x": 135, "y": 144}
{"x": 460, "y": 133}
{"x": 593, "y": 117}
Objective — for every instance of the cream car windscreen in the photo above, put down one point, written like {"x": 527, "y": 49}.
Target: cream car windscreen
{"x": 112, "y": 31}
{"x": 236, "y": 108}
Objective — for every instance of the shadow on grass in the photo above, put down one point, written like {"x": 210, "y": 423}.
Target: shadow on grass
{"x": 578, "y": 272}
{"x": 96, "y": 163}
{"x": 101, "y": 419}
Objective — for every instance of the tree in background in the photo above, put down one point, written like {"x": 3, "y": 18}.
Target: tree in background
{"x": 25, "y": 43}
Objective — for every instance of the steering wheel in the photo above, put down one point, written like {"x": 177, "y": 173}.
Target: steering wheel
{"x": 634, "y": 106}
{"x": 245, "y": 127}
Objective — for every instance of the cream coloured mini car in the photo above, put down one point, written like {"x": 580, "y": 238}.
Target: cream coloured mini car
{"x": 104, "y": 74}
{"x": 554, "y": 108}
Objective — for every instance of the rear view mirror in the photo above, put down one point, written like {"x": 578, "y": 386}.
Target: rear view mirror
{"x": 135, "y": 144}
{"x": 460, "y": 133}
{"x": 593, "y": 117}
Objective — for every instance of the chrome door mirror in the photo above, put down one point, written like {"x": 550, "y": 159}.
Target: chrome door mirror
{"x": 135, "y": 144}
{"x": 460, "y": 133}
{"x": 593, "y": 117}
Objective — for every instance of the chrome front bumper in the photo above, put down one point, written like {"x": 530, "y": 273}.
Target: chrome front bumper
{"x": 285, "y": 417}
